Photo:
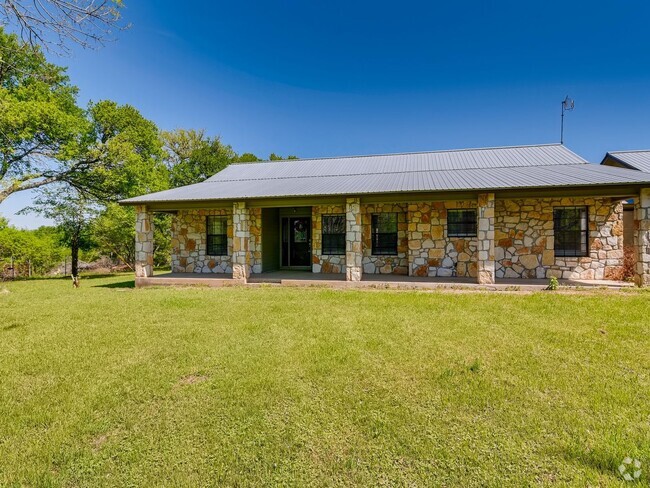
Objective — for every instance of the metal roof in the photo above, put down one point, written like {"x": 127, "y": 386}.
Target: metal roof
{"x": 639, "y": 160}
{"x": 540, "y": 166}
{"x": 540, "y": 155}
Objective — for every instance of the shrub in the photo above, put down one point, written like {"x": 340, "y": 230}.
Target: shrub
{"x": 553, "y": 284}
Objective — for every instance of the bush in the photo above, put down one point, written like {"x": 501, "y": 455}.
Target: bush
{"x": 629, "y": 263}
{"x": 553, "y": 284}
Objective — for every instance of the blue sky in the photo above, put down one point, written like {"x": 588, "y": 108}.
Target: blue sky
{"x": 316, "y": 78}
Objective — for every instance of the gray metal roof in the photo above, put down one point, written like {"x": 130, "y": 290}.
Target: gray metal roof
{"x": 639, "y": 160}
{"x": 541, "y": 155}
{"x": 540, "y": 166}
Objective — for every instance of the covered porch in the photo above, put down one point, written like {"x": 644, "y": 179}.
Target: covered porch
{"x": 504, "y": 238}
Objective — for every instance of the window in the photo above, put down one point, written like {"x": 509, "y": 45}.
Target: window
{"x": 384, "y": 234}
{"x": 217, "y": 236}
{"x": 461, "y": 223}
{"x": 571, "y": 229}
{"x": 333, "y": 234}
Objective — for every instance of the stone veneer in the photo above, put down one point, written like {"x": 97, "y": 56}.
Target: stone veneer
{"x": 524, "y": 240}
{"x": 642, "y": 238}
{"x": 353, "y": 239}
{"x": 431, "y": 251}
{"x": 397, "y": 264}
{"x": 485, "y": 238}
{"x": 188, "y": 244}
{"x": 143, "y": 242}
{"x": 324, "y": 263}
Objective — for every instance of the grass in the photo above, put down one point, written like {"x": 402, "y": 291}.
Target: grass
{"x": 113, "y": 386}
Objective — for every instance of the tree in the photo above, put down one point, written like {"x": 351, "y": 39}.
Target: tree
{"x": 275, "y": 157}
{"x": 247, "y": 158}
{"x": 122, "y": 154}
{"x": 193, "y": 157}
{"x": 58, "y": 23}
{"x": 41, "y": 126}
{"x": 72, "y": 213}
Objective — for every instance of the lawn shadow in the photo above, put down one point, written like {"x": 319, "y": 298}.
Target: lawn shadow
{"x": 12, "y": 325}
{"x": 604, "y": 461}
{"x": 121, "y": 284}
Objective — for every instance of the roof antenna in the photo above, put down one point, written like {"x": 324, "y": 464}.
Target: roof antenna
{"x": 567, "y": 104}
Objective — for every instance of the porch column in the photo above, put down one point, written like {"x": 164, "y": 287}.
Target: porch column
{"x": 642, "y": 238}
{"x": 485, "y": 263}
{"x": 241, "y": 268}
{"x": 353, "y": 238}
{"x": 143, "y": 242}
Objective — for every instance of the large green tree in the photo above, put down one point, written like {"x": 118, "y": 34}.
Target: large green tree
{"x": 41, "y": 126}
{"x": 192, "y": 156}
{"x": 122, "y": 154}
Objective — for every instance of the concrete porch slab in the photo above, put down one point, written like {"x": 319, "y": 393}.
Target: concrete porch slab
{"x": 375, "y": 281}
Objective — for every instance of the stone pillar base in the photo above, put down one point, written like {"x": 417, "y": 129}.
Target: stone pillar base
{"x": 240, "y": 272}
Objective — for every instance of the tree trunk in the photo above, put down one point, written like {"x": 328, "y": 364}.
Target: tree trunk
{"x": 74, "y": 265}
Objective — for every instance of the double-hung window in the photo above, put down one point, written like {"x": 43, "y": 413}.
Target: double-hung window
{"x": 384, "y": 234}
{"x": 333, "y": 234}
{"x": 461, "y": 222}
{"x": 217, "y": 235}
{"x": 571, "y": 231}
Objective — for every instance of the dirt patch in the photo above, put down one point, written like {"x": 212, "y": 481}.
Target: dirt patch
{"x": 191, "y": 379}
{"x": 99, "y": 441}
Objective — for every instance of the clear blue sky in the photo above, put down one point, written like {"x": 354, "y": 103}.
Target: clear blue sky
{"x": 340, "y": 77}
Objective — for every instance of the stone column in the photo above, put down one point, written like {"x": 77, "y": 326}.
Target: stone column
{"x": 485, "y": 253}
{"x": 143, "y": 242}
{"x": 241, "y": 268}
{"x": 642, "y": 238}
{"x": 353, "y": 239}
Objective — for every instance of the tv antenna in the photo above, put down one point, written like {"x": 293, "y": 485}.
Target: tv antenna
{"x": 567, "y": 105}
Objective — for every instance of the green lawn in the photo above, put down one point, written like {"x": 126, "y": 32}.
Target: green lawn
{"x": 112, "y": 386}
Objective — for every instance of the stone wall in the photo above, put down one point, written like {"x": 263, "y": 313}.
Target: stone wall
{"x": 397, "y": 264}
{"x": 255, "y": 243}
{"x": 524, "y": 240}
{"x": 188, "y": 243}
{"x": 431, "y": 251}
{"x": 353, "y": 239}
{"x": 642, "y": 238}
{"x": 324, "y": 263}
{"x": 485, "y": 238}
{"x": 143, "y": 242}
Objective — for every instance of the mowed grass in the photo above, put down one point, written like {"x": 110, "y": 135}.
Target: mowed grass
{"x": 113, "y": 386}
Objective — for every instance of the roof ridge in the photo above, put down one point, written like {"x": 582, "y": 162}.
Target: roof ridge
{"x": 406, "y": 153}
{"x": 630, "y": 151}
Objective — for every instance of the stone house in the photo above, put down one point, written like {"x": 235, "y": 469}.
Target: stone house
{"x": 513, "y": 212}
{"x": 638, "y": 160}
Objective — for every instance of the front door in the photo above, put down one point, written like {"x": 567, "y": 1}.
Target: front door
{"x": 296, "y": 242}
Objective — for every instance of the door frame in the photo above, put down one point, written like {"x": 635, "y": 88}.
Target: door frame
{"x": 288, "y": 216}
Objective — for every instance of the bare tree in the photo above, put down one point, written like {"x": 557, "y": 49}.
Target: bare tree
{"x": 54, "y": 24}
